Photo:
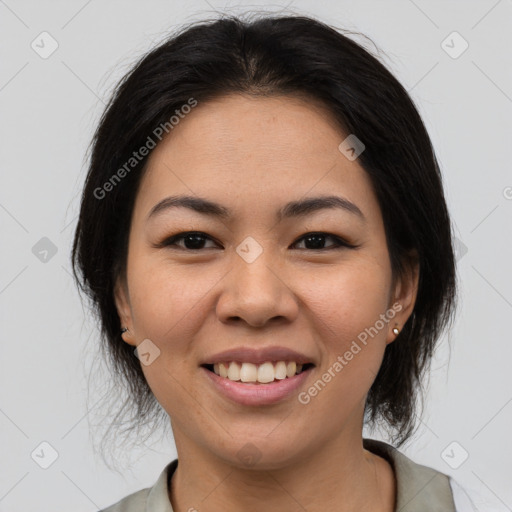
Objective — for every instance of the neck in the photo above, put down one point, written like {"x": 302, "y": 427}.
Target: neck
{"x": 340, "y": 476}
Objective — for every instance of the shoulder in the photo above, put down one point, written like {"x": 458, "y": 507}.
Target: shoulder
{"x": 418, "y": 487}
{"x": 422, "y": 488}
{"x": 154, "y": 499}
{"x": 135, "y": 502}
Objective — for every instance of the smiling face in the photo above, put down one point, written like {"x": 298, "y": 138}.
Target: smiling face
{"x": 222, "y": 290}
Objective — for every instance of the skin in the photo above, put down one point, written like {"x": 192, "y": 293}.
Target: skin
{"x": 253, "y": 155}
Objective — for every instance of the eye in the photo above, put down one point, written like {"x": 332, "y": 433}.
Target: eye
{"x": 316, "y": 240}
{"x": 195, "y": 240}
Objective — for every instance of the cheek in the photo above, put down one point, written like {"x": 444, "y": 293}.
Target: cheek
{"x": 168, "y": 308}
{"x": 347, "y": 300}
{"x": 166, "y": 299}
{"x": 346, "y": 308}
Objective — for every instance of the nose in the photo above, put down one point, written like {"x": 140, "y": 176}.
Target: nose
{"x": 256, "y": 293}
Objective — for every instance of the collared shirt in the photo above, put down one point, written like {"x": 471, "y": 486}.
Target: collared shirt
{"x": 418, "y": 488}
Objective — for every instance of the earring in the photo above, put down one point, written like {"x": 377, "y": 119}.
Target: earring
{"x": 396, "y": 331}
{"x": 123, "y": 330}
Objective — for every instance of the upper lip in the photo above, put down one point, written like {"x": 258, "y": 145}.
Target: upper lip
{"x": 257, "y": 356}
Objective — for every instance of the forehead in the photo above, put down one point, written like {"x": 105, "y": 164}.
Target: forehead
{"x": 254, "y": 152}
{"x": 267, "y": 129}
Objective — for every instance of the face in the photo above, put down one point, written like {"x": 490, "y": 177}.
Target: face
{"x": 314, "y": 281}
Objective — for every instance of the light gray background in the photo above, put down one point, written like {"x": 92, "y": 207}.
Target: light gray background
{"x": 50, "y": 108}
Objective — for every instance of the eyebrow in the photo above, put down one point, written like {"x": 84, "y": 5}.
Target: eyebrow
{"x": 292, "y": 209}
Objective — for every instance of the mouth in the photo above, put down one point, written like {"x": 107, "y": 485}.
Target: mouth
{"x": 241, "y": 383}
{"x": 262, "y": 374}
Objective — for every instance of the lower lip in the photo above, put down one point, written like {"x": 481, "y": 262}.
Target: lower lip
{"x": 257, "y": 394}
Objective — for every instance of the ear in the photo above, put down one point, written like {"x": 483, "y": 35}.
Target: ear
{"x": 124, "y": 310}
{"x": 404, "y": 296}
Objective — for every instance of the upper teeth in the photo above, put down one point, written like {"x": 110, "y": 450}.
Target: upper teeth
{"x": 263, "y": 373}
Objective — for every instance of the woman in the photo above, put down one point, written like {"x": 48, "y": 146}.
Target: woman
{"x": 264, "y": 234}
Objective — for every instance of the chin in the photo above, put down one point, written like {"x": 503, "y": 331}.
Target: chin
{"x": 261, "y": 453}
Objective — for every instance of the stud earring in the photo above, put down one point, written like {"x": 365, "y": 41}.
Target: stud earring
{"x": 396, "y": 331}
{"x": 123, "y": 330}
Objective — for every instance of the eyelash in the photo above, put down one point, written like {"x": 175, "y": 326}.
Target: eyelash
{"x": 340, "y": 243}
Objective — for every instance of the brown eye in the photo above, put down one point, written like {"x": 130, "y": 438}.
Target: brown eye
{"x": 192, "y": 240}
{"x": 316, "y": 241}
